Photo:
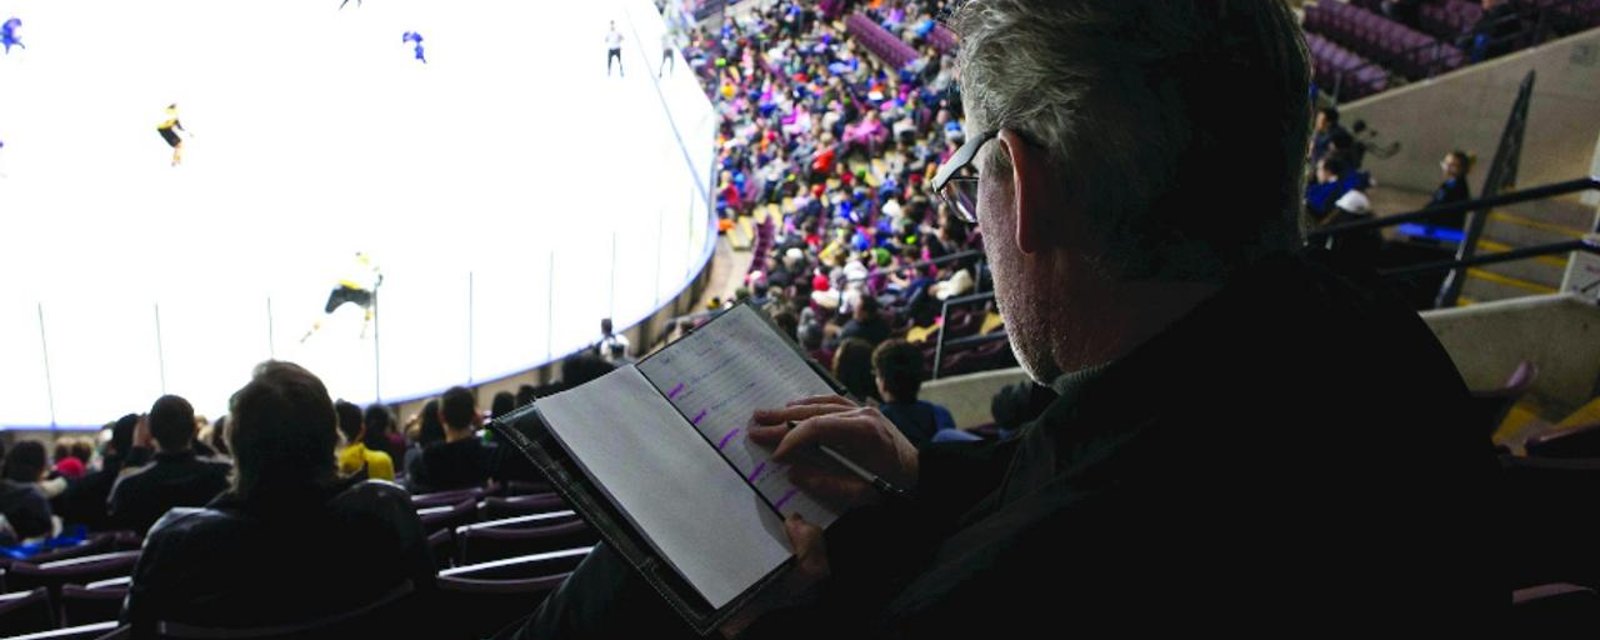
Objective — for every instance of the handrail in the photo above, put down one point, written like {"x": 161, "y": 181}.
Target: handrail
{"x": 1554, "y": 248}
{"x": 944, "y": 321}
{"x": 1515, "y": 197}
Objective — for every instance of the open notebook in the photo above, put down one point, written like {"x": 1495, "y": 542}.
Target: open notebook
{"x": 654, "y": 455}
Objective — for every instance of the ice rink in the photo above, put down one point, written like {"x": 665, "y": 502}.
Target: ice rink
{"x": 511, "y": 193}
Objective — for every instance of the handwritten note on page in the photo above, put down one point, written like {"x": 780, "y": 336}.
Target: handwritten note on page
{"x": 693, "y": 508}
{"x": 717, "y": 376}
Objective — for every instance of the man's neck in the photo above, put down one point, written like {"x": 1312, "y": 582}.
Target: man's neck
{"x": 456, "y": 435}
{"x": 1120, "y": 319}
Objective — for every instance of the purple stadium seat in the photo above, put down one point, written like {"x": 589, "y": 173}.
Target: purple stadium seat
{"x": 497, "y": 508}
{"x": 1342, "y": 73}
{"x": 479, "y": 608}
{"x": 445, "y": 498}
{"x": 26, "y": 612}
{"x": 450, "y": 517}
{"x": 521, "y": 567}
{"x": 886, "y": 46}
{"x": 394, "y": 614}
{"x": 1376, "y": 38}
{"x": 97, "y": 631}
{"x": 495, "y": 543}
{"x": 99, "y": 602}
{"x": 84, "y": 570}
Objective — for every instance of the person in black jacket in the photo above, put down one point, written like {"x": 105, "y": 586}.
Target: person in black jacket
{"x": 21, "y": 501}
{"x": 288, "y": 542}
{"x": 1204, "y": 462}
{"x": 84, "y": 501}
{"x": 463, "y": 460}
{"x": 177, "y": 478}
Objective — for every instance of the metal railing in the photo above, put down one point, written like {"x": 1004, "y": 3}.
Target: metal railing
{"x": 1465, "y": 258}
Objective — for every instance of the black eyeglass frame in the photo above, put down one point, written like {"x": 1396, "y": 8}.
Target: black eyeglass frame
{"x": 965, "y": 186}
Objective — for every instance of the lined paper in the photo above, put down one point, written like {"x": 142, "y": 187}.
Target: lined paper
{"x": 717, "y": 376}
{"x": 677, "y": 491}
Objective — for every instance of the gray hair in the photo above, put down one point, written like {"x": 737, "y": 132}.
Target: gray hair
{"x": 1180, "y": 124}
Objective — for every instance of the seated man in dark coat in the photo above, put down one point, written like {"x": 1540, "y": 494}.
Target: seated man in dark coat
{"x": 462, "y": 461}
{"x": 177, "y": 478}
{"x": 1206, "y": 463}
{"x": 288, "y": 543}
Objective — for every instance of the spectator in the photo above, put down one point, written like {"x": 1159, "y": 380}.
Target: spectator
{"x": 583, "y": 368}
{"x": 355, "y": 458}
{"x": 852, "y": 367}
{"x": 1096, "y": 131}
{"x": 288, "y": 542}
{"x": 867, "y": 322}
{"x": 177, "y": 478}
{"x": 526, "y": 394}
{"x": 612, "y": 346}
{"x": 1333, "y": 181}
{"x": 381, "y": 434}
{"x": 21, "y": 501}
{"x": 218, "y": 437}
{"x": 504, "y": 402}
{"x": 1329, "y": 133}
{"x": 68, "y": 465}
{"x": 84, "y": 502}
{"x": 427, "y": 430}
{"x": 899, "y": 368}
{"x": 1495, "y": 33}
{"x": 1455, "y": 165}
{"x": 462, "y": 461}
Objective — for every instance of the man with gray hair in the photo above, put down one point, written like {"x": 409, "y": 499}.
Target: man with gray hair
{"x": 1136, "y": 168}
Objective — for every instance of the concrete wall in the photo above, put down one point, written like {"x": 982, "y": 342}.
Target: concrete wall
{"x": 1560, "y": 333}
{"x": 967, "y": 397}
{"x": 1468, "y": 109}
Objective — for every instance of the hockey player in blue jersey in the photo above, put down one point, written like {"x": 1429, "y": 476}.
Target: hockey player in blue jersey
{"x": 8, "y": 34}
{"x": 412, "y": 36}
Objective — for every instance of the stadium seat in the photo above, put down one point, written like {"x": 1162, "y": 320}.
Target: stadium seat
{"x": 394, "y": 614}
{"x": 1489, "y": 407}
{"x": 83, "y": 570}
{"x": 26, "y": 612}
{"x": 479, "y": 608}
{"x": 537, "y": 565}
{"x": 449, "y": 517}
{"x": 479, "y": 545}
{"x": 97, "y": 631}
{"x": 497, "y": 508}
{"x": 1582, "y": 441}
{"x": 442, "y": 544}
{"x": 445, "y": 498}
{"x": 1554, "y": 610}
{"x": 98, "y": 602}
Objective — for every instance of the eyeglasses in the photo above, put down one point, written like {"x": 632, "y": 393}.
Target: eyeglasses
{"x": 961, "y": 191}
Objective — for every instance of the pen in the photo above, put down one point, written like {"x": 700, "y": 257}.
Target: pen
{"x": 883, "y": 486}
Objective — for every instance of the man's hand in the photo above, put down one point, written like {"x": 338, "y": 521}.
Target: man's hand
{"x": 861, "y": 434}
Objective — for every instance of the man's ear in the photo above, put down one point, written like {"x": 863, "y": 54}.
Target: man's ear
{"x": 1032, "y": 191}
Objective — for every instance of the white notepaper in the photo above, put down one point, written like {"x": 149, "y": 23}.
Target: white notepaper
{"x": 677, "y": 491}
{"x": 717, "y": 376}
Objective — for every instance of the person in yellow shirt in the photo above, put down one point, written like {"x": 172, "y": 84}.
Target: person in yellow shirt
{"x": 355, "y": 454}
{"x": 169, "y": 129}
